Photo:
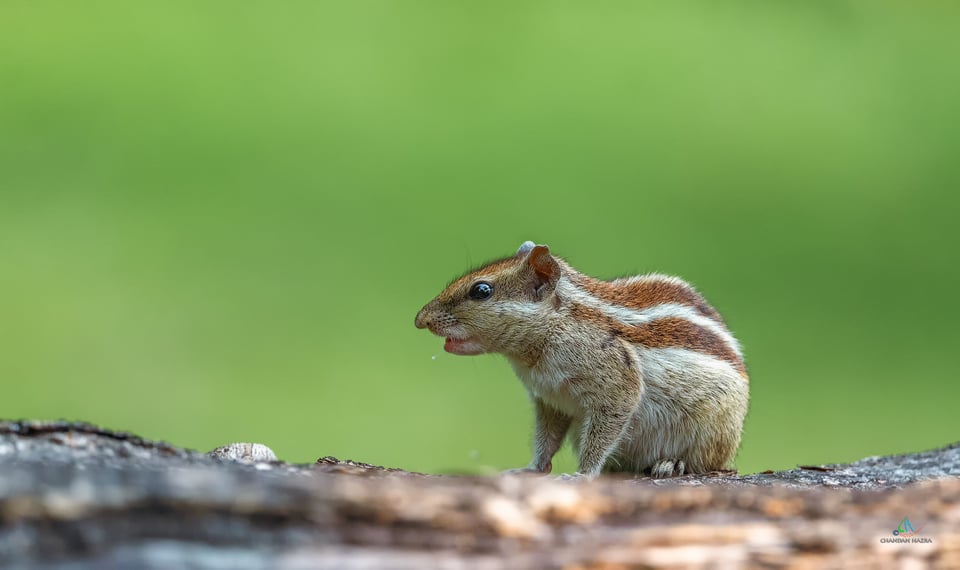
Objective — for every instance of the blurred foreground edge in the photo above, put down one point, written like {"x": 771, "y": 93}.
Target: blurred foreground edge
{"x": 76, "y": 496}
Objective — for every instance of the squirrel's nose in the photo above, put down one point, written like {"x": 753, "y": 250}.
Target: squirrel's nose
{"x": 423, "y": 319}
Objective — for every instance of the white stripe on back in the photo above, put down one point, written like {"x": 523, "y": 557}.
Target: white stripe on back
{"x": 643, "y": 316}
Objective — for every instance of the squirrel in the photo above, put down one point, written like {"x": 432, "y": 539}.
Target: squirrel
{"x": 641, "y": 373}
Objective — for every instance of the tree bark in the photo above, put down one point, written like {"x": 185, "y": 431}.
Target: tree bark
{"x": 77, "y": 496}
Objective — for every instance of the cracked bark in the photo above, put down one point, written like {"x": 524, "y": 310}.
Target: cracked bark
{"x": 77, "y": 496}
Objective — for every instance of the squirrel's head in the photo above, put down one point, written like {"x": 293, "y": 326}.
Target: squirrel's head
{"x": 496, "y": 307}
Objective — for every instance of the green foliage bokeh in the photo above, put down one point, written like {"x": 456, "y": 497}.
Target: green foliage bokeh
{"x": 218, "y": 220}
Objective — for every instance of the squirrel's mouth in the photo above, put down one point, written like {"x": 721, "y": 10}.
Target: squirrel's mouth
{"x": 462, "y": 346}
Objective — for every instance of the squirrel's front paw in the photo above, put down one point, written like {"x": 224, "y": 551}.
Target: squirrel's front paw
{"x": 576, "y": 477}
{"x": 524, "y": 471}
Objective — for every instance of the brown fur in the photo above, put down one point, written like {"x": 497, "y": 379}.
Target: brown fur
{"x": 623, "y": 407}
{"x": 665, "y": 333}
{"x": 497, "y": 267}
{"x": 646, "y": 292}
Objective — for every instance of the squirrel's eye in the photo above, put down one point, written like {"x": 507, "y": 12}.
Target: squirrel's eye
{"x": 480, "y": 291}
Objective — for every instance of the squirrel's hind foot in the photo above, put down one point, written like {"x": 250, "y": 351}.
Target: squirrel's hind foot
{"x": 667, "y": 468}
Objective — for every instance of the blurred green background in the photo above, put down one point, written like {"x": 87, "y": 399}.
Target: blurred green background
{"x": 218, "y": 219}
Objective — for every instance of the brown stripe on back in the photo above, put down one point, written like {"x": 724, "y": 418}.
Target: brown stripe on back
{"x": 671, "y": 332}
{"x": 678, "y": 332}
{"x": 648, "y": 292}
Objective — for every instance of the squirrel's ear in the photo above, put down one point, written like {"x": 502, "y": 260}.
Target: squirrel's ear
{"x": 545, "y": 268}
{"x": 526, "y": 247}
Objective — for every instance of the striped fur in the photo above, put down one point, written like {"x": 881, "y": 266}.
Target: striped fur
{"x": 641, "y": 373}
{"x": 653, "y": 317}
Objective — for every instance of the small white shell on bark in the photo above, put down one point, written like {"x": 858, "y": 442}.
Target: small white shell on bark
{"x": 244, "y": 452}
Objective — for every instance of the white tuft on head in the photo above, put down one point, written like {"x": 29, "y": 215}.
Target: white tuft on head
{"x": 526, "y": 247}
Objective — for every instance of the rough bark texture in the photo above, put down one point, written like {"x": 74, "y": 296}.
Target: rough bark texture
{"x": 76, "y": 496}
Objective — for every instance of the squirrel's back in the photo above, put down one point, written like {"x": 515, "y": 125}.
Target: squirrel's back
{"x": 654, "y": 311}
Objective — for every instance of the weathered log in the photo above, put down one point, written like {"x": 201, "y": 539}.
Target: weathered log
{"x": 76, "y": 496}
